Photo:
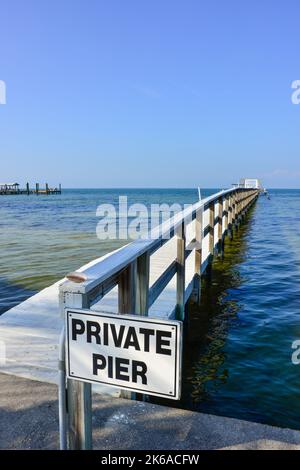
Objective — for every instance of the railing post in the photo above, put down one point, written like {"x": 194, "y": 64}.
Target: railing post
{"x": 230, "y": 217}
{"x": 219, "y": 248}
{"x": 237, "y": 210}
{"x": 180, "y": 276}
{"x": 126, "y": 289}
{"x": 242, "y": 196}
{"x": 245, "y": 204}
{"x": 211, "y": 227}
{"x": 243, "y": 209}
{"x": 198, "y": 254}
{"x": 233, "y": 210}
{"x": 226, "y": 218}
{"x": 79, "y": 393}
{"x": 142, "y": 284}
{"x": 80, "y": 415}
{"x": 127, "y": 302}
{"x": 141, "y": 301}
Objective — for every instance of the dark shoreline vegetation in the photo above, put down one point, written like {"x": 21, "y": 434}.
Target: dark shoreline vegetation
{"x": 238, "y": 347}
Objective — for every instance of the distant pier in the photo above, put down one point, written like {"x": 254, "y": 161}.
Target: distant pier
{"x": 7, "y": 189}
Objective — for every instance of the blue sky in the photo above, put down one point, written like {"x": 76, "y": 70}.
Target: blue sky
{"x": 149, "y": 93}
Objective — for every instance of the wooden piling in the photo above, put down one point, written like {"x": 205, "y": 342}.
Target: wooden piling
{"x": 237, "y": 211}
{"x": 142, "y": 284}
{"x": 79, "y": 397}
{"x": 127, "y": 302}
{"x": 230, "y": 217}
{"x": 226, "y": 216}
{"x": 219, "y": 226}
{"x": 180, "y": 276}
{"x": 211, "y": 228}
{"x": 129, "y": 270}
{"x": 198, "y": 255}
{"x": 126, "y": 289}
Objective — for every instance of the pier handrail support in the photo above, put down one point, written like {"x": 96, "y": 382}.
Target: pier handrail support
{"x": 128, "y": 268}
{"x": 62, "y": 391}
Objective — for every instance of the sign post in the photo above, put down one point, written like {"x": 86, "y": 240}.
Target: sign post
{"x": 135, "y": 353}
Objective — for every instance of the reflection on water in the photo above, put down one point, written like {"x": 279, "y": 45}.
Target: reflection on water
{"x": 205, "y": 368}
{"x": 11, "y": 294}
{"x": 238, "y": 347}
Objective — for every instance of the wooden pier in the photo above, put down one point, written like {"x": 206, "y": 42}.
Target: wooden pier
{"x": 13, "y": 189}
{"x": 133, "y": 279}
{"x": 153, "y": 277}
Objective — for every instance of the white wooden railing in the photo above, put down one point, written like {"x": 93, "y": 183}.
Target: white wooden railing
{"x": 129, "y": 269}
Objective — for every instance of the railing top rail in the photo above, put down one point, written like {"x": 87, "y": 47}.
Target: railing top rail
{"x": 119, "y": 259}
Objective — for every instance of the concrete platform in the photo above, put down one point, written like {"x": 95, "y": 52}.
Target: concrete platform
{"x": 29, "y": 420}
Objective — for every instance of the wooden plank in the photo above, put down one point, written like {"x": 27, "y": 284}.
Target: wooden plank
{"x": 161, "y": 283}
{"x": 233, "y": 209}
{"x": 230, "y": 217}
{"x": 79, "y": 397}
{"x": 226, "y": 218}
{"x": 198, "y": 256}
{"x": 126, "y": 289}
{"x": 127, "y": 302}
{"x": 211, "y": 225}
{"x": 198, "y": 241}
{"x": 142, "y": 284}
{"x": 219, "y": 226}
{"x": 180, "y": 278}
{"x": 80, "y": 415}
{"x": 100, "y": 291}
{"x": 237, "y": 210}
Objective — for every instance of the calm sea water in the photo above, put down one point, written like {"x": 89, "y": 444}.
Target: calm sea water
{"x": 44, "y": 237}
{"x": 237, "y": 359}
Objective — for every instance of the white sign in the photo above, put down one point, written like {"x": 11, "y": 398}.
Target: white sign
{"x": 135, "y": 353}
